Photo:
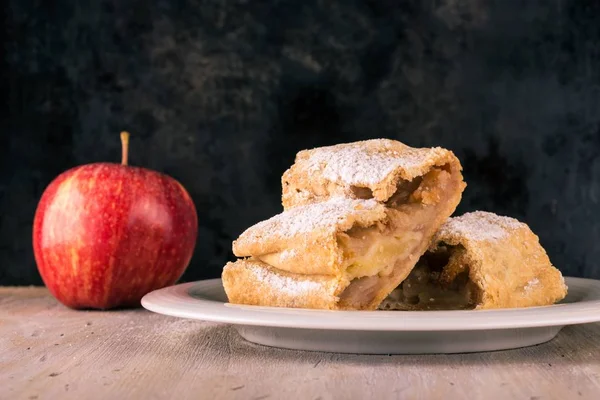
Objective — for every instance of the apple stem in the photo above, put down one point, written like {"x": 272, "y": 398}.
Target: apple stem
{"x": 124, "y": 147}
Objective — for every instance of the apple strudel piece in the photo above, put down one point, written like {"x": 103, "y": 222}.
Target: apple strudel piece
{"x": 383, "y": 169}
{"x": 365, "y": 246}
{"x": 480, "y": 261}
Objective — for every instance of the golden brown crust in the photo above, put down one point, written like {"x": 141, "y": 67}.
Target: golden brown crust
{"x": 255, "y": 283}
{"x": 307, "y": 236}
{"x": 505, "y": 260}
{"x": 371, "y": 168}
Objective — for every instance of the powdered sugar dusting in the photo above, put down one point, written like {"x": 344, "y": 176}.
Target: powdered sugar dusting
{"x": 283, "y": 283}
{"x": 365, "y": 163}
{"x": 317, "y": 216}
{"x": 480, "y": 226}
{"x": 287, "y": 254}
{"x": 531, "y": 285}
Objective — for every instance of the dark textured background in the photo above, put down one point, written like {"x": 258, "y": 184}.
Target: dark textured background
{"x": 221, "y": 94}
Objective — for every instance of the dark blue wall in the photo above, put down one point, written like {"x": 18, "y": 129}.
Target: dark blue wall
{"x": 221, "y": 95}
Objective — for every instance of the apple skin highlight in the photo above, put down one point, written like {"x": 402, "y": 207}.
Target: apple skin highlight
{"x": 106, "y": 234}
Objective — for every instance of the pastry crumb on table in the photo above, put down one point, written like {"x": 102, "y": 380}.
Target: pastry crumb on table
{"x": 48, "y": 352}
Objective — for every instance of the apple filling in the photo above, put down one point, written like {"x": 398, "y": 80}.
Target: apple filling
{"x": 440, "y": 281}
{"x": 378, "y": 262}
{"x": 374, "y": 250}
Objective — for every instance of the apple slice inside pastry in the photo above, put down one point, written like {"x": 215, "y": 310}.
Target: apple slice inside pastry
{"x": 480, "y": 261}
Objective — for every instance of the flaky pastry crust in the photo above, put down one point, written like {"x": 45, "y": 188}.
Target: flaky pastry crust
{"x": 365, "y": 169}
{"x": 253, "y": 282}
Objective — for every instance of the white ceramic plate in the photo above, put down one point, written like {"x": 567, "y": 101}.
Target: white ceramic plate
{"x": 381, "y": 332}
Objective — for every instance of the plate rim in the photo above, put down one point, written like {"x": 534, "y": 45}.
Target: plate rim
{"x": 178, "y": 302}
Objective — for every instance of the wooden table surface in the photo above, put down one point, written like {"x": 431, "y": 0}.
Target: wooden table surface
{"x": 50, "y": 352}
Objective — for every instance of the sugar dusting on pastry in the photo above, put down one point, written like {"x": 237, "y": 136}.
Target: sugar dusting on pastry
{"x": 285, "y": 284}
{"x": 480, "y": 226}
{"x": 368, "y": 162}
{"x": 287, "y": 254}
{"x": 327, "y": 215}
{"x": 531, "y": 285}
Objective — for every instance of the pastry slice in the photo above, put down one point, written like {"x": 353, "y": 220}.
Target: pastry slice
{"x": 362, "y": 248}
{"x": 335, "y": 242}
{"x": 381, "y": 169}
{"x": 480, "y": 261}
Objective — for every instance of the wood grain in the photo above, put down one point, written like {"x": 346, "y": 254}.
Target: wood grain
{"x": 50, "y": 352}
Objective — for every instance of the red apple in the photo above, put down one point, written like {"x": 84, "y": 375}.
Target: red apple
{"x": 106, "y": 234}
